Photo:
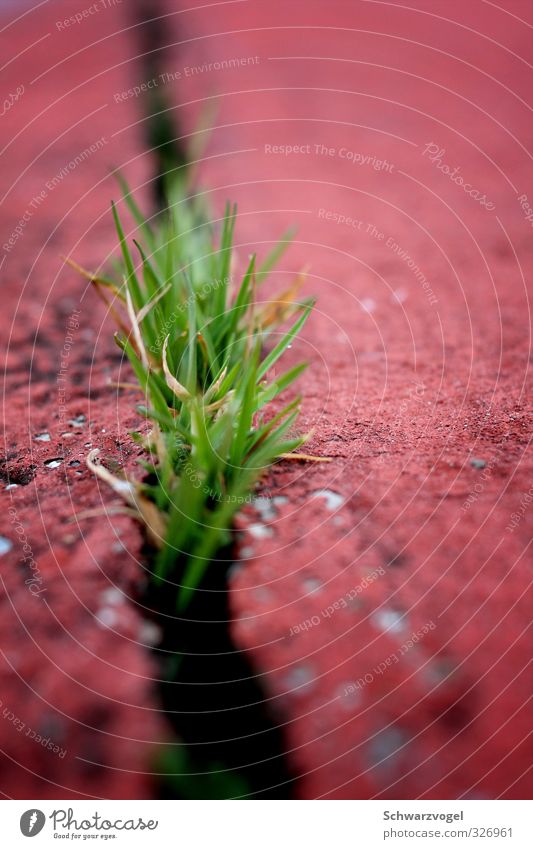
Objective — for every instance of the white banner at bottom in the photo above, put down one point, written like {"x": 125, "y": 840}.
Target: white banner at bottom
{"x": 264, "y": 824}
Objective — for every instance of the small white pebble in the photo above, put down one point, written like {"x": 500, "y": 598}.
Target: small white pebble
{"x": 53, "y": 464}
{"x": 387, "y": 619}
{"x": 368, "y": 305}
{"x": 150, "y": 634}
{"x": 259, "y": 531}
{"x": 5, "y": 545}
{"x": 311, "y": 585}
{"x": 386, "y": 747}
{"x": 68, "y": 539}
{"x": 107, "y": 617}
{"x": 264, "y": 508}
{"x": 112, "y": 596}
{"x": 42, "y": 437}
{"x": 333, "y": 499}
{"x": 11, "y": 486}
{"x": 399, "y": 295}
{"x": 300, "y": 678}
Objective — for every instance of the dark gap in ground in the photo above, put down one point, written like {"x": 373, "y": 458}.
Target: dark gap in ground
{"x": 212, "y": 697}
{"x": 19, "y": 475}
{"x": 160, "y": 127}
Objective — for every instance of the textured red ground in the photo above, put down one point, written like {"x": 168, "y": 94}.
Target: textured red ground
{"x": 421, "y": 398}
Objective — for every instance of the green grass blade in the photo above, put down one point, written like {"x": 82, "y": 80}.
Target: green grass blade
{"x": 282, "y": 346}
{"x": 131, "y": 277}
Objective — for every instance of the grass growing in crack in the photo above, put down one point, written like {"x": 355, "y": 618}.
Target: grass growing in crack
{"x": 202, "y": 345}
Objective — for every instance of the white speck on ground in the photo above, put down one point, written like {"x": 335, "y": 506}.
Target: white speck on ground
{"x": 368, "y": 305}
{"x": 259, "y": 531}
{"x": 387, "y": 619}
{"x": 5, "y": 545}
{"x": 300, "y": 678}
{"x": 385, "y": 748}
{"x": 107, "y": 617}
{"x": 333, "y": 499}
{"x": 399, "y": 296}
{"x": 265, "y": 508}
{"x": 311, "y": 585}
{"x": 54, "y": 463}
{"x": 112, "y": 596}
{"x": 150, "y": 634}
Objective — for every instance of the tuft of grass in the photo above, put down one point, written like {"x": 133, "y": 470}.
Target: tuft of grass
{"x": 203, "y": 346}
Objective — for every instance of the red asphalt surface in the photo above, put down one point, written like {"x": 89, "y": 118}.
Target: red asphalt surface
{"x": 383, "y": 597}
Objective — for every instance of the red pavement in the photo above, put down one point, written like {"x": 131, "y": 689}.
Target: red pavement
{"x": 382, "y": 597}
